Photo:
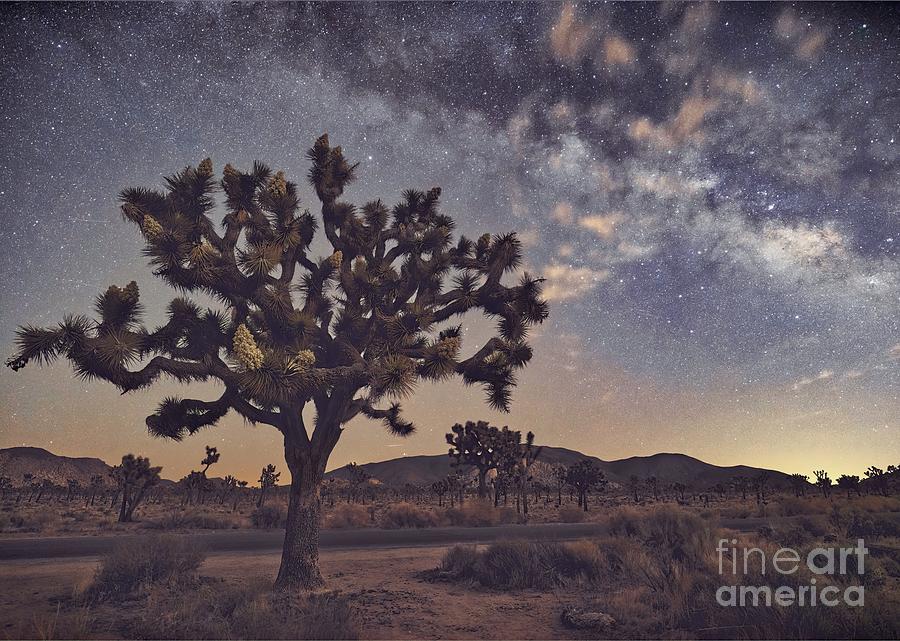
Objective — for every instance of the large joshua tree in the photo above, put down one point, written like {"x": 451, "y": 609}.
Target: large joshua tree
{"x": 349, "y": 333}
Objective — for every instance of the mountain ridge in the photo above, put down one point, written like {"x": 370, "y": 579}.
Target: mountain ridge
{"x": 421, "y": 469}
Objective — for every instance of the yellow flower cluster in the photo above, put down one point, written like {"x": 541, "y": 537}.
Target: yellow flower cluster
{"x": 202, "y": 251}
{"x": 151, "y": 227}
{"x": 230, "y": 171}
{"x": 243, "y": 216}
{"x": 245, "y": 348}
{"x": 278, "y": 185}
{"x": 303, "y": 360}
{"x": 449, "y": 347}
{"x": 336, "y": 259}
{"x": 205, "y": 167}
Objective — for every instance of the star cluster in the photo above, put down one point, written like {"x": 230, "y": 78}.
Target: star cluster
{"x": 710, "y": 191}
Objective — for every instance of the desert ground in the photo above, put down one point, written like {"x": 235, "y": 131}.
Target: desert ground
{"x": 645, "y": 570}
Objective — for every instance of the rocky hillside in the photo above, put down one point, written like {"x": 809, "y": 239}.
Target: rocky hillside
{"x": 15, "y": 462}
{"x": 668, "y": 468}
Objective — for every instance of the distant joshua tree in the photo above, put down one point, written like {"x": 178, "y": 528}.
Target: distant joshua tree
{"x": 877, "y": 480}
{"x": 482, "y": 446}
{"x": 73, "y": 487}
{"x": 584, "y": 476}
{"x": 823, "y": 482}
{"x": 456, "y": 483}
{"x": 799, "y": 483}
{"x": 357, "y": 477}
{"x": 133, "y": 477}
{"x": 439, "y": 489}
{"x": 653, "y": 485}
{"x": 741, "y": 484}
{"x": 761, "y": 486}
{"x": 95, "y": 487}
{"x": 848, "y": 484}
{"x": 634, "y": 486}
{"x": 346, "y": 333}
{"x": 268, "y": 479}
{"x": 559, "y": 477}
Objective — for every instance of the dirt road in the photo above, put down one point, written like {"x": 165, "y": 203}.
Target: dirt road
{"x": 223, "y": 541}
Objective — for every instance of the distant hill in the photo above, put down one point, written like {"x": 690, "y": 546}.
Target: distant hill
{"x": 668, "y": 468}
{"x": 15, "y": 462}
{"x": 417, "y": 470}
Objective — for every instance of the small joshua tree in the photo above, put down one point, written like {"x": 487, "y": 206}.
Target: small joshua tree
{"x": 760, "y": 486}
{"x": 268, "y": 479}
{"x": 653, "y": 485}
{"x": 73, "y": 487}
{"x": 133, "y": 478}
{"x": 799, "y": 483}
{"x": 440, "y": 488}
{"x": 848, "y": 484}
{"x": 585, "y": 476}
{"x": 482, "y": 446}
{"x": 634, "y": 486}
{"x": 95, "y": 487}
{"x": 559, "y": 478}
{"x": 357, "y": 478}
{"x": 823, "y": 481}
{"x": 741, "y": 484}
{"x": 877, "y": 480}
{"x": 517, "y": 457}
{"x": 345, "y": 333}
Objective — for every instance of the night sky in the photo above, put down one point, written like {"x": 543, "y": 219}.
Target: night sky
{"x": 711, "y": 192}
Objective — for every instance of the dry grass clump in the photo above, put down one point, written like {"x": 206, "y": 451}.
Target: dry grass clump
{"x": 479, "y": 513}
{"x": 192, "y": 520}
{"x": 658, "y": 573}
{"x": 571, "y": 514}
{"x": 407, "y": 515}
{"x": 523, "y": 564}
{"x": 39, "y": 520}
{"x": 268, "y": 517}
{"x": 345, "y": 516}
{"x": 219, "y": 610}
{"x": 141, "y": 562}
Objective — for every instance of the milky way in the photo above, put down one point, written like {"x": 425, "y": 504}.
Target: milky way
{"x": 710, "y": 191}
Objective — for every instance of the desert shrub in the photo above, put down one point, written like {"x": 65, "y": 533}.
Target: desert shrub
{"x": 479, "y": 514}
{"x": 813, "y": 525}
{"x": 348, "y": 516}
{"x": 249, "y": 610}
{"x": 459, "y": 562}
{"x": 268, "y": 517}
{"x": 878, "y": 504}
{"x": 523, "y": 564}
{"x": 682, "y": 534}
{"x": 407, "y": 515}
{"x": 735, "y": 511}
{"x": 516, "y": 564}
{"x": 571, "y": 514}
{"x": 144, "y": 561}
{"x": 861, "y": 525}
{"x": 37, "y": 521}
{"x": 178, "y": 520}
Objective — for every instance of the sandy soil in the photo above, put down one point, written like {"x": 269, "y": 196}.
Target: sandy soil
{"x": 389, "y": 600}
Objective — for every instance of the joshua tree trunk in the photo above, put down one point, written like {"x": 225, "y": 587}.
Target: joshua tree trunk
{"x": 123, "y": 508}
{"x": 482, "y": 483}
{"x": 300, "y": 555}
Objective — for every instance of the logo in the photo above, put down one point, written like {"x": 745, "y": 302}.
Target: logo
{"x": 820, "y": 562}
